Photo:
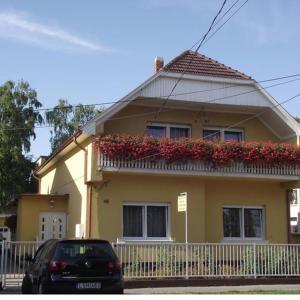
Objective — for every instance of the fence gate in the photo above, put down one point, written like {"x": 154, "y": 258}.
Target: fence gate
{"x": 12, "y": 261}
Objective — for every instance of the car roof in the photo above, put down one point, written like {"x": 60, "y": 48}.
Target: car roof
{"x": 82, "y": 241}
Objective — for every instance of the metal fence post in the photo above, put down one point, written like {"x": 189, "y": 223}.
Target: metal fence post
{"x": 2, "y": 266}
{"x": 254, "y": 260}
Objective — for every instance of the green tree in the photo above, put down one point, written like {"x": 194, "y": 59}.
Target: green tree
{"x": 66, "y": 119}
{"x": 18, "y": 118}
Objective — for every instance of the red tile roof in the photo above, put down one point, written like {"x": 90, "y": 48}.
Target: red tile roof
{"x": 190, "y": 62}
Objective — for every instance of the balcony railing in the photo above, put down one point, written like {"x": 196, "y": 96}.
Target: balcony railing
{"x": 199, "y": 167}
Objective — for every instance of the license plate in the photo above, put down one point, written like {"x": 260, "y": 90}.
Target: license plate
{"x": 88, "y": 285}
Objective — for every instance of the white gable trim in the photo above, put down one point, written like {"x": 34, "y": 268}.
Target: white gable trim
{"x": 90, "y": 127}
{"x": 280, "y": 111}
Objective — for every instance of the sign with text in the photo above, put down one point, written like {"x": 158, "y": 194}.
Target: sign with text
{"x": 182, "y": 202}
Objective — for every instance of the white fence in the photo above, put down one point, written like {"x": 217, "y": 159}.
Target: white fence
{"x": 208, "y": 260}
{"x": 12, "y": 261}
{"x": 175, "y": 260}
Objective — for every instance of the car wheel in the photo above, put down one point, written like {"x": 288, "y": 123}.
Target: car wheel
{"x": 27, "y": 285}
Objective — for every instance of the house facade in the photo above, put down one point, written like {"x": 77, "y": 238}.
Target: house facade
{"x": 87, "y": 191}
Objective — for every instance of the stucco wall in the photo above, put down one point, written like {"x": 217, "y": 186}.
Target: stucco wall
{"x": 205, "y": 202}
{"x": 67, "y": 177}
{"x": 254, "y": 130}
{"x": 28, "y": 212}
{"x": 246, "y": 193}
{"x": 131, "y": 188}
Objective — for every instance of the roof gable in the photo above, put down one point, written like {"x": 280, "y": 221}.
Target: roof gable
{"x": 190, "y": 62}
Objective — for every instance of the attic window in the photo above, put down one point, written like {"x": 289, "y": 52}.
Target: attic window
{"x": 173, "y": 131}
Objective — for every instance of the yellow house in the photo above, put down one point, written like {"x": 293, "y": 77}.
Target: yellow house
{"x": 191, "y": 97}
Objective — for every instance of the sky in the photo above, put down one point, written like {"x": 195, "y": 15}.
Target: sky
{"x": 97, "y": 51}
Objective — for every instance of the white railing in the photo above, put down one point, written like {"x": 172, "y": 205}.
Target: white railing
{"x": 13, "y": 260}
{"x": 175, "y": 260}
{"x": 170, "y": 260}
{"x": 105, "y": 162}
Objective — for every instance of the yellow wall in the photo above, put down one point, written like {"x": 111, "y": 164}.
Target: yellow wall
{"x": 2, "y": 221}
{"x": 67, "y": 177}
{"x": 254, "y": 130}
{"x": 246, "y": 193}
{"x": 108, "y": 224}
{"x": 28, "y": 213}
{"x": 205, "y": 201}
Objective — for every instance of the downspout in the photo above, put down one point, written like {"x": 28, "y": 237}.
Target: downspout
{"x": 88, "y": 184}
{"x": 39, "y": 182}
{"x": 288, "y": 214}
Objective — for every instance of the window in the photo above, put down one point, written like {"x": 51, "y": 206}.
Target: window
{"x": 294, "y": 197}
{"x": 217, "y": 134}
{"x": 147, "y": 221}
{"x": 175, "y": 131}
{"x": 243, "y": 223}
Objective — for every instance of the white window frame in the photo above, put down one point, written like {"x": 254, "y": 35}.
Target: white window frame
{"x": 168, "y": 127}
{"x": 242, "y": 224}
{"x": 222, "y": 131}
{"x": 144, "y": 237}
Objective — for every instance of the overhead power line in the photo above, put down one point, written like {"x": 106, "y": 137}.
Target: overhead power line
{"x": 237, "y": 123}
{"x": 164, "y": 96}
{"x": 191, "y": 60}
{"x": 191, "y": 106}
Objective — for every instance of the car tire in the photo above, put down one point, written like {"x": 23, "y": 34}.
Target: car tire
{"x": 27, "y": 285}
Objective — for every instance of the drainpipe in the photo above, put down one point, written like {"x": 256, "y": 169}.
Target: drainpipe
{"x": 288, "y": 214}
{"x": 39, "y": 182}
{"x": 88, "y": 184}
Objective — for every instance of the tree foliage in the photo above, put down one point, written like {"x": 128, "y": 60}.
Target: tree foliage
{"x": 66, "y": 119}
{"x": 18, "y": 117}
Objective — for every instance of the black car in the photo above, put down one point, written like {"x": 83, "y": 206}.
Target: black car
{"x": 73, "y": 266}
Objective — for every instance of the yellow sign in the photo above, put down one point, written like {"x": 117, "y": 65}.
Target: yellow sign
{"x": 182, "y": 202}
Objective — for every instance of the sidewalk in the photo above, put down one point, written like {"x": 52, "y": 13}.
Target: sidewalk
{"x": 293, "y": 288}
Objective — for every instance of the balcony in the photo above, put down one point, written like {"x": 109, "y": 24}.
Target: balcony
{"x": 189, "y": 157}
{"x": 198, "y": 168}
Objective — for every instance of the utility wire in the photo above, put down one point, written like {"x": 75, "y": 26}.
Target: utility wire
{"x": 217, "y": 22}
{"x": 191, "y": 106}
{"x": 220, "y": 27}
{"x": 163, "y": 96}
{"x": 235, "y": 124}
{"x": 191, "y": 60}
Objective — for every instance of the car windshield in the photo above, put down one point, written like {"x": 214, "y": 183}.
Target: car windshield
{"x": 84, "y": 250}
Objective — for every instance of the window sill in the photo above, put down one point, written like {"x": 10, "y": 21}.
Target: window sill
{"x": 140, "y": 241}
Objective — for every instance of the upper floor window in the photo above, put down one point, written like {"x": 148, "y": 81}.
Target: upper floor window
{"x": 223, "y": 134}
{"x": 173, "y": 131}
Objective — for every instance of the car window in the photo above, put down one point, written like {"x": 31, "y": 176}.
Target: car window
{"x": 84, "y": 250}
{"x": 38, "y": 253}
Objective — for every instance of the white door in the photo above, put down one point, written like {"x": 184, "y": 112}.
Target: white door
{"x": 52, "y": 225}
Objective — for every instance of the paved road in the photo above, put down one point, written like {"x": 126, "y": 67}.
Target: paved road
{"x": 195, "y": 290}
